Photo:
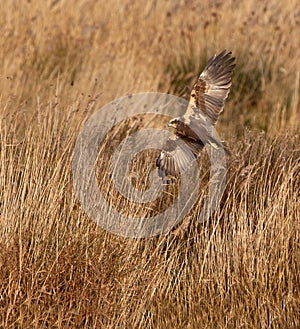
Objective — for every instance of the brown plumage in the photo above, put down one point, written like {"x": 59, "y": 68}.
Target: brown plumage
{"x": 192, "y": 130}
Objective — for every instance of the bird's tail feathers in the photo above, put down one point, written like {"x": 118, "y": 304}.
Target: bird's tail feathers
{"x": 219, "y": 144}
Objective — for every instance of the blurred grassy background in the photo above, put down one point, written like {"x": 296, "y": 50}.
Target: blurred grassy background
{"x": 61, "y": 61}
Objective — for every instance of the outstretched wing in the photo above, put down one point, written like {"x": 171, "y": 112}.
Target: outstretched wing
{"x": 177, "y": 157}
{"x": 212, "y": 88}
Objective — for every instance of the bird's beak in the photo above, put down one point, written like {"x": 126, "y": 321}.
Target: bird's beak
{"x": 171, "y": 124}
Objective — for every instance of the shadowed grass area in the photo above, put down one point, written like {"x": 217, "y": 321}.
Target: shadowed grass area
{"x": 62, "y": 61}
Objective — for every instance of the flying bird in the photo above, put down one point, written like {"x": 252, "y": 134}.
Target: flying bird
{"x": 191, "y": 131}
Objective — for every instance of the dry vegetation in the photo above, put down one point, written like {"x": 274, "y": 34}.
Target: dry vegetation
{"x": 61, "y": 61}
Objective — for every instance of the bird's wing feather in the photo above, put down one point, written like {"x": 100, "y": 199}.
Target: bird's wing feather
{"x": 212, "y": 88}
{"x": 176, "y": 157}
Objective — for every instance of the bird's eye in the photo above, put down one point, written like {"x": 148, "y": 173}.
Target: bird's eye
{"x": 193, "y": 95}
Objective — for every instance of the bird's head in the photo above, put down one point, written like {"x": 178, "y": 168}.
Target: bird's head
{"x": 174, "y": 123}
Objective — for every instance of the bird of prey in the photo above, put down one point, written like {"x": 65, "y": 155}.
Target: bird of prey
{"x": 192, "y": 129}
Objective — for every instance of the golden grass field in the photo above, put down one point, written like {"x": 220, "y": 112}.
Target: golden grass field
{"x": 63, "y": 60}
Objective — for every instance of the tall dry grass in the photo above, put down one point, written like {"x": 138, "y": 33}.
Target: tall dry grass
{"x": 61, "y": 61}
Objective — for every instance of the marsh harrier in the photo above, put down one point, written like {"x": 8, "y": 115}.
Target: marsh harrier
{"x": 192, "y": 131}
